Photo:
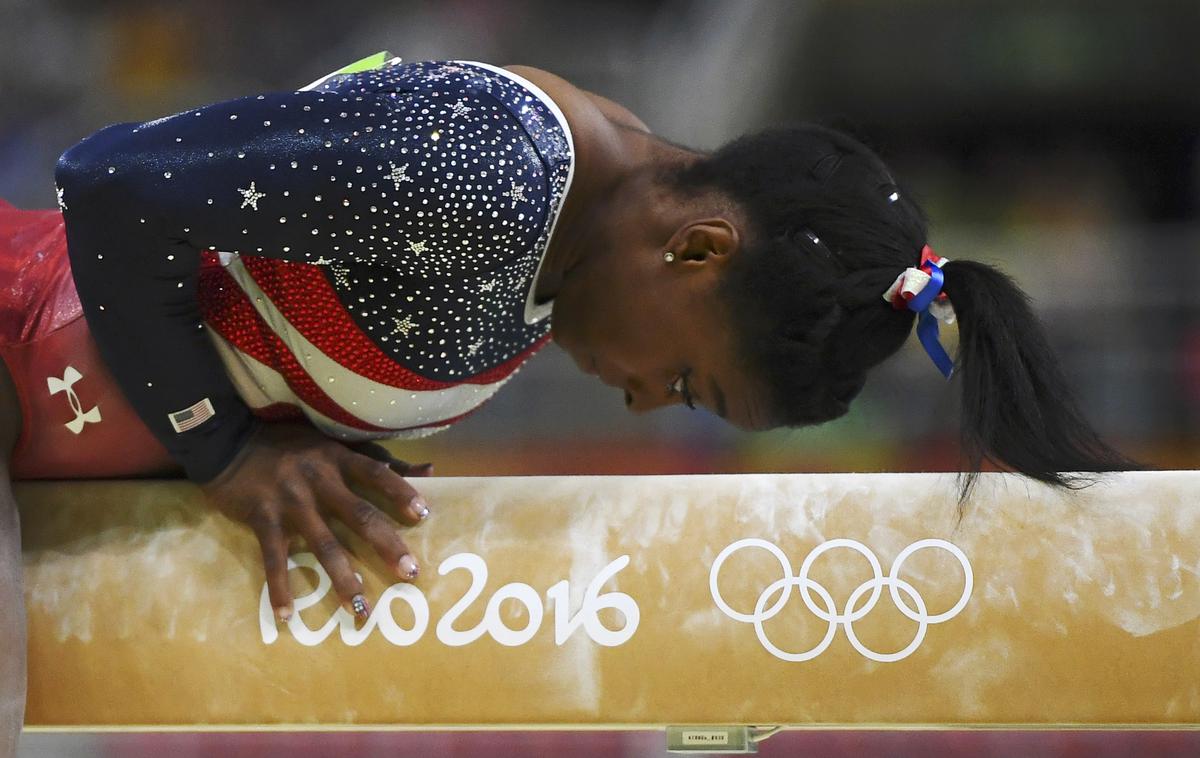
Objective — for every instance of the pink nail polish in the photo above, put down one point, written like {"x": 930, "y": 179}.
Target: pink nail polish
{"x": 418, "y": 508}
{"x": 408, "y": 567}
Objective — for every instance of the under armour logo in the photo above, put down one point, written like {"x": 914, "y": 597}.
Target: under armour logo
{"x": 56, "y": 385}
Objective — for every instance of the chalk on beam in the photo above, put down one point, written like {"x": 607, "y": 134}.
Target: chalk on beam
{"x": 798, "y": 600}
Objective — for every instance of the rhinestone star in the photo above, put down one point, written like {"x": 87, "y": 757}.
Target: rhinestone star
{"x": 251, "y": 196}
{"x": 417, "y": 247}
{"x": 488, "y": 286}
{"x": 460, "y": 108}
{"x": 397, "y": 174}
{"x": 474, "y": 346}
{"x": 517, "y": 192}
{"x": 62, "y": 206}
{"x": 341, "y": 276}
{"x": 403, "y": 326}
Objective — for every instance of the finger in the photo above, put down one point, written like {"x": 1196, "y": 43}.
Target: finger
{"x": 411, "y": 507}
{"x": 381, "y": 453}
{"x": 334, "y": 558}
{"x": 404, "y": 468}
{"x": 274, "y": 544}
{"x": 373, "y": 525}
{"x": 418, "y": 469}
{"x": 372, "y": 450}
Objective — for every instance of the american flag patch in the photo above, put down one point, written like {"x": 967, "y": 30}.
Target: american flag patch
{"x": 190, "y": 418}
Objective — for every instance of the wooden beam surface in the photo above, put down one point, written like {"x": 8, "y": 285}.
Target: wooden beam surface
{"x": 638, "y": 601}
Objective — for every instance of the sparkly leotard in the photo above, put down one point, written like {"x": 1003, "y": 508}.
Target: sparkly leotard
{"x": 362, "y": 253}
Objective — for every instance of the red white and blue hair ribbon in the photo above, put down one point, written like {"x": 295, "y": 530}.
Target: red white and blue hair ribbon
{"x": 920, "y": 290}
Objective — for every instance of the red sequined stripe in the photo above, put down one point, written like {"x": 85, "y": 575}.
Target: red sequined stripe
{"x": 227, "y": 309}
{"x": 323, "y": 320}
{"x": 38, "y": 295}
{"x": 320, "y": 316}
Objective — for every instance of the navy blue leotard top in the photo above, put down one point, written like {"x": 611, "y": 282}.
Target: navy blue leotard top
{"x": 361, "y": 253}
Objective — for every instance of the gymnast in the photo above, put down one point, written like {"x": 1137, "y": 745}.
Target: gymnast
{"x": 253, "y": 291}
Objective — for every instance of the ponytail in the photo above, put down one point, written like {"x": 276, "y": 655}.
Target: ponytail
{"x": 828, "y": 230}
{"x": 1017, "y": 409}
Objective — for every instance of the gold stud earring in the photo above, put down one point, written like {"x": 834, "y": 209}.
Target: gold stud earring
{"x": 668, "y": 256}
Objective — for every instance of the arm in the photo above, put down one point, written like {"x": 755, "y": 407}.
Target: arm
{"x": 139, "y": 207}
{"x": 141, "y": 201}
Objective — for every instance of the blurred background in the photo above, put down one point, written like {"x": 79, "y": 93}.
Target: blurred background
{"x": 1059, "y": 140}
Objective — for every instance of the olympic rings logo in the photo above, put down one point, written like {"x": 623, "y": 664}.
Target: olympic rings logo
{"x": 853, "y": 611}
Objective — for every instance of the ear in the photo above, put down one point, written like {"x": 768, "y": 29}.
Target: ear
{"x": 706, "y": 241}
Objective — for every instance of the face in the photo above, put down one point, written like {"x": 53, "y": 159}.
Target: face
{"x": 656, "y": 330}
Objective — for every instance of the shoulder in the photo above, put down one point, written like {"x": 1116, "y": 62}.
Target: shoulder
{"x": 579, "y": 105}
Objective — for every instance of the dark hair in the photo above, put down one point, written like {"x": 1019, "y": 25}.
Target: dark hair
{"x": 830, "y": 230}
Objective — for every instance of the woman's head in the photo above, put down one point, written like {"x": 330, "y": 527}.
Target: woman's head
{"x": 782, "y": 244}
{"x": 643, "y": 310}
{"x": 827, "y": 232}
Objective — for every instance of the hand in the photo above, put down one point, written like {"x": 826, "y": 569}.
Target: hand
{"x": 290, "y": 478}
{"x": 381, "y": 453}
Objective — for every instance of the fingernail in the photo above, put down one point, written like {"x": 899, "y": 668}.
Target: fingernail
{"x": 418, "y": 508}
{"x": 359, "y": 607}
{"x": 284, "y": 613}
{"x": 408, "y": 567}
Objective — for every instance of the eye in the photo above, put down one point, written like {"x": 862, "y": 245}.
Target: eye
{"x": 680, "y": 387}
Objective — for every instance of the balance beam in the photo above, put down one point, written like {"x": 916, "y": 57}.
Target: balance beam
{"x": 795, "y": 600}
